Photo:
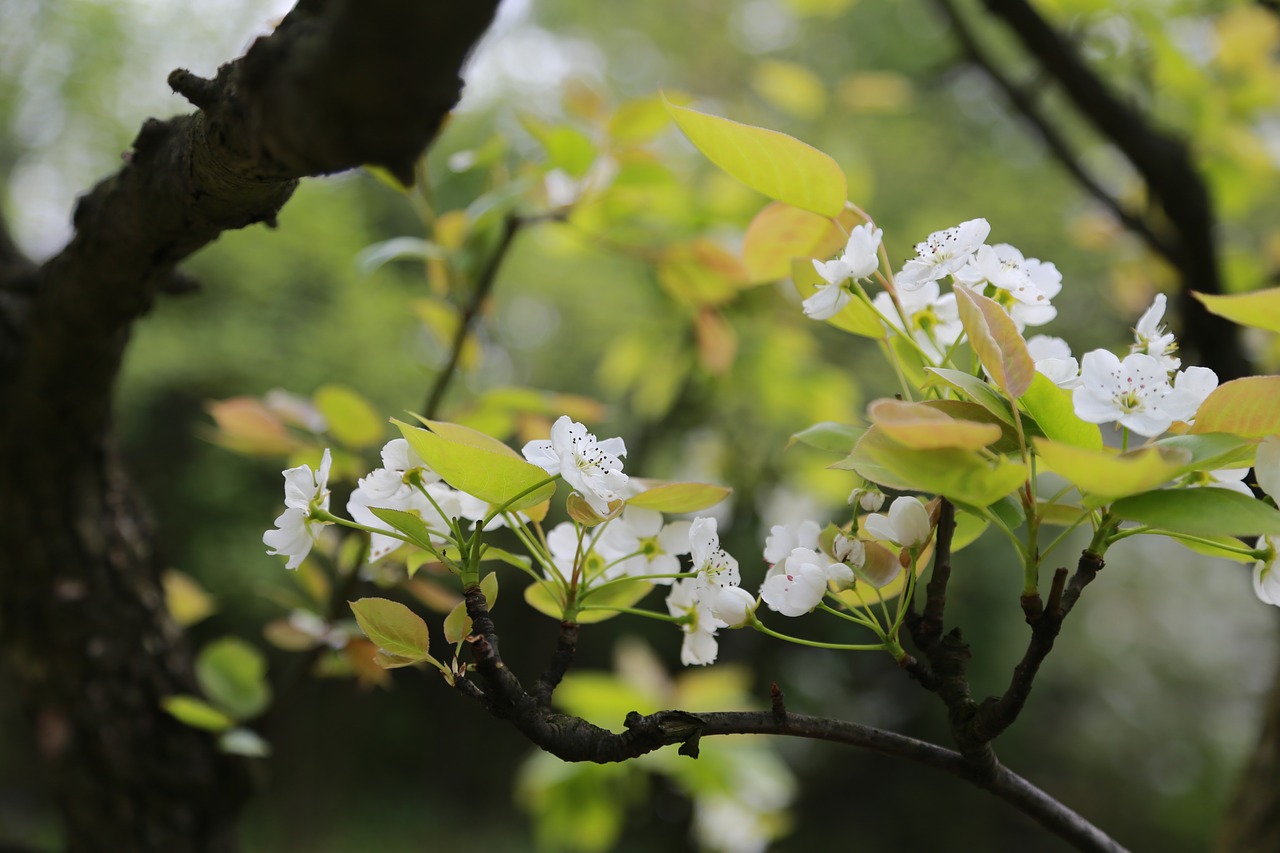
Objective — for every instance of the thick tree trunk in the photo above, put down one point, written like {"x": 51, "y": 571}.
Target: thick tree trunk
{"x": 82, "y": 618}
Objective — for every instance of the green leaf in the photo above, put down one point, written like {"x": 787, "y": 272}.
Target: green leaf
{"x": 779, "y": 166}
{"x": 829, "y": 436}
{"x": 351, "y": 419}
{"x": 567, "y": 148}
{"x": 1206, "y": 511}
{"x": 1106, "y": 474}
{"x": 486, "y": 473}
{"x": 397, "y": 249}
{"x": 1212, "y": 450}
{"x": 997, "y": 342}
{"x": 1054, "y": 412}
{"x": 457, "y": 625}
{"x": 969, "y": 528}
{"x": 1226, "y": 548}
{"x": 1248, "y": 407}
{"x": 394, "y": 628}
{"x": 680, "y": 497}
{"x": 411, "y": 525}
{"x": 232, "y": 675}
{"x": 1259, "y": 310}
{"x": 975, "y": 389}
{"x": 196, "y": 713}
{"x": 960, "y": 475}
{"x": 857, "y": 317}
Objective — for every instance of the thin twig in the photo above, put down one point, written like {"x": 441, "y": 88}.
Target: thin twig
{"x": 484, "y": 284}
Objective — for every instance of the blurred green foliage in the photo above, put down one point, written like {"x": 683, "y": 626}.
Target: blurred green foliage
{"x": 1144, "y": 711}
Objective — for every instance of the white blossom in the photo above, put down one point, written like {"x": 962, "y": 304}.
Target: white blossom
{"x": 943, "y": 253}
{"x": 858, "y": 260}
{"x": 1153, "y": 339}
{"x": 932, "y": 316}
{"x": 295, "y": 530}
{"x": 732, "y": 605}
{"x": 686, "y": 600}
{"x": 1267, "y": 466}
{"x": 868, "y": 498}
{"x": 1053, "y": 358}
{"x": 1135, "y": 392}
{"x": 1266, "y": 583}
{"x": 592, "y": 467}
{"x": 1005, "y": 268}
{"x": 713, "y": 564}
{"x": 785, "y": 538}
{"x": 405, "y": 498}
{"x": 799, "y": 585}
{"x": 653, "y": 546}
{"x": 907, "y": 523}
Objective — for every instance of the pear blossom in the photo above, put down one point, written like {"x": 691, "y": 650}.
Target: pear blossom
{"x": 653, "y": 546}
{"x": 1005, "y": 268}
{"x": 1053, "y": 358}
{"x": 1191, "y": 387}
{"x": 296, "y": 530}
{"x": 590, "y": 466}
{"x": 785, "y": 538}
{"x": 858, "y": 260}
{"x": 943, "y": 253}
{"x": 867, "y": 497}
{"x": 1267, "y": 466}
{"x": 1135, "y": 392}
{"x": 1153, "y": 339}
{"x": 597, "y": 561}
{"x": 800, "y": 584}
{"x": 686, "y": 601}
{"x": 405, "y": 498}
{"x": 907, "y": 523}
{"x": 933, "y": 317}
{"x": 713, "y": 564}
{"x": 1266, "y": 583}
{"x": 733, "y": 606}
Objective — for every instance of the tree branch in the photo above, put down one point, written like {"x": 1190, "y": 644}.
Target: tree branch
{"x": 574, "y": 739}
{"x": 1025, "y": 103}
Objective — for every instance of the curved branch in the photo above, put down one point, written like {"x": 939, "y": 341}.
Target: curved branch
{"x": 574, "y": 739}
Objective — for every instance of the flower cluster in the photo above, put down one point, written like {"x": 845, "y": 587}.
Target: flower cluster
{"x": 297, "y": 528}
{"x": 858, "y": 260}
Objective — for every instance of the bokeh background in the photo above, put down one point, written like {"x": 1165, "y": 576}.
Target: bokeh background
{"x": 1144, "y": 713}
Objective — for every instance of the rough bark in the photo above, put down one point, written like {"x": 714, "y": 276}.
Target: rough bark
{"x": 82, "y": 622}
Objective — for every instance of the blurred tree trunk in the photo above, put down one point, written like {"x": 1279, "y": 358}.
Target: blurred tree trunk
{"x": 82, "y": 618}
{"x": 1252, "y": 822}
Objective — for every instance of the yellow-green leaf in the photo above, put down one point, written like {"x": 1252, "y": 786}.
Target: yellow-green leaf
{"x": 488, "y": 473}
{"x": 1248, "y": 407}
{"x": 780, "y": 233}
{"x": 1107, "y": 474}
{"x": 1258, "y": 310}
{"x": 186, "y": 601}
{"x": 544, "y": 597}
{"x": 829, "y": 436}
{"x": 700, "y": 272}
{"x": 997, "y": 342}
{"x": 922, "y": 427}
{"x": 963, "y": 476}
{"x": 246, "y": 426}
{"x": 623, "y": 594}
{"x": 351, "y": 419}
{"x": 680, "y": 497}
{"x": 779, "y": 166}
{"x": 790, "y": 87}
{"x": 974, "y": 388}
{"x": 1053, "y": 411}
{"x": 395, "y": 629}
{"x": 196, "y": 713}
